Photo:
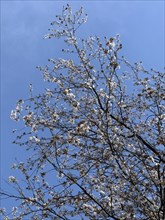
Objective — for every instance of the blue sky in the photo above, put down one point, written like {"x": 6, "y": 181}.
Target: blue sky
{"x": 23, "y": 24}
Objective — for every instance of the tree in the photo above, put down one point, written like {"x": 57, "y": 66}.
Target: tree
{"x": 95, "y": 137}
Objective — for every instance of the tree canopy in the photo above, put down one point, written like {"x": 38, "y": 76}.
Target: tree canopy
{"x": 95, "y": 137}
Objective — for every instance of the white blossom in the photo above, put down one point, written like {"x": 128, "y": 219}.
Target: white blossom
{"x": 14, "y": 115}
{"x": 34, "y": 138}
{"x": 12, "y": 179}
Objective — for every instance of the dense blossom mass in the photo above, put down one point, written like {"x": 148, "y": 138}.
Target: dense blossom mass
{"x": 95, "y": 137}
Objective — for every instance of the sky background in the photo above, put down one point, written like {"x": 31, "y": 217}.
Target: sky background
{"x": 23, "y": 25}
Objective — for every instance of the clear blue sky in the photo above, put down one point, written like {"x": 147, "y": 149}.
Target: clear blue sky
{"x": 23, "y": 24}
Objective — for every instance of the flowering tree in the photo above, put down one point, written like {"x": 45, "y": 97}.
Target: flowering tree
{"x": 95, "y": 137}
